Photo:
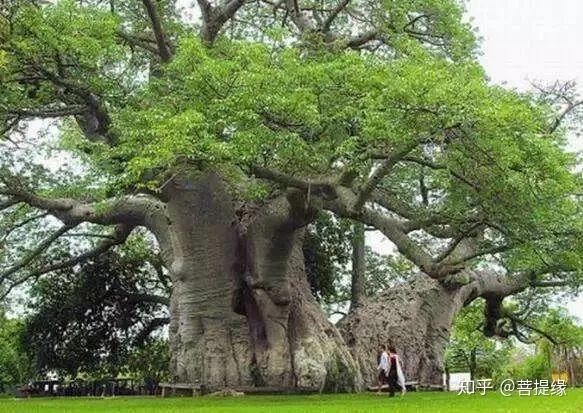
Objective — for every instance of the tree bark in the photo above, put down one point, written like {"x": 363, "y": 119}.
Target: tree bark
{"x": 415, "y": 317}
{"x": 242, "y": 313}
{"x": 209, "y": 341}
{"x": 358, "y": 265}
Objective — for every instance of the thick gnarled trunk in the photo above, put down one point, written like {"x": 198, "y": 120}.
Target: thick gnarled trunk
{"x": 416, "y": 317}
{"x": 242, "y": 313}
{"x": 209, "y": 341}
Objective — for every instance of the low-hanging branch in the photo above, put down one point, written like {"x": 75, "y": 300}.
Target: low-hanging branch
{"x": 118, "y": 237}
{"x": 36, "y": 252}
{"x": 127, "y": 209}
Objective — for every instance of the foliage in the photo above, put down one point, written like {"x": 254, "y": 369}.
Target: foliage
{"x": 549, "y": 355}
{"x": 527, "y": 365}
{"x": 15, "y": 367}
{"x": 382, "y": 271}
{"x": 477, "y": 162}
{"x": 565, "y": 329}
{"x": 150, "y": 362}
{"x": 550, "y": 331}
{"x": 90, "y": 319}
{"x": 326, "y": 251}
{"x": 299, "y": 106}
{"x": 469, "y": 350}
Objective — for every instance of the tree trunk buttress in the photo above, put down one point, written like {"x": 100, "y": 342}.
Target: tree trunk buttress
{"x": 242, "y": 313}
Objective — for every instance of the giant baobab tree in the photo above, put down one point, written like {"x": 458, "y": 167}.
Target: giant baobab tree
{"x": 225, "y": 128}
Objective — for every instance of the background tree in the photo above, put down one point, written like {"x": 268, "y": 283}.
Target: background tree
{"x": 15, "y": 366}
{"x": 470, "y": 350}
{"x": 149, "y": 363}
{"x": 93, "y": 318}
{"x": 225, "y": 137}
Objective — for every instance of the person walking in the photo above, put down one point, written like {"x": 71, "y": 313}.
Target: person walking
{"x": 395, "y": 376}
{"x": 382, "y": 367}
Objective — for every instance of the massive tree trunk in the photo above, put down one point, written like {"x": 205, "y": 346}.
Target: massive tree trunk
{"x": 209, "y": 341}
{"x": 242, "y": 313}
{"x": 416, "y": 317}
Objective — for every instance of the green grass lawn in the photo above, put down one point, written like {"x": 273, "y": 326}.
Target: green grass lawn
{"x": 411, "y": 403}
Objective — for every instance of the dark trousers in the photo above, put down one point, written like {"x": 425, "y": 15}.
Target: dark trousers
{"x": 393, "y": 382}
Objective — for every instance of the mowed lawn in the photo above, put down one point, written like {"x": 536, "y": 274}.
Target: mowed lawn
{"x": 411, "y": 403}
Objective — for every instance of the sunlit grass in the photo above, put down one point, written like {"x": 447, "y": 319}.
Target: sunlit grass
{"x": 411, "y": 403}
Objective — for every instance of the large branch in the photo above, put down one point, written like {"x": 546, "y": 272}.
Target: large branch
{"x": 476, "y": 253}
{"x": 215, "y": 17}
{"x": 501, "y": 322}
{"x": 118, "y": 237}
{"x": 50, "y": 112}
{"x": 130, "y": 209}
{"x": 95, "y": 121}
{"x": 341, "y": 201}
{"x": 489, "y": 283}
{"x": 381, "y": 171}
{"x": 362, "y": 39}
{"x": 392, "y": 228}
{"x": 163, "y": 49}
{"x": 290, "y": 180}
{"x": 75, "y": 97}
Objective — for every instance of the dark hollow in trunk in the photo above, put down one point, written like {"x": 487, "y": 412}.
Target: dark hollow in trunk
{"x": 242, "y": 313}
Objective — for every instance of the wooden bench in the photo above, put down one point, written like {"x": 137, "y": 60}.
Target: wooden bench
{"x": 173, "y": 387}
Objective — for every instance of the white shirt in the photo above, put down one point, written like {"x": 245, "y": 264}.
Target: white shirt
{"x": 384, "y": 363}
